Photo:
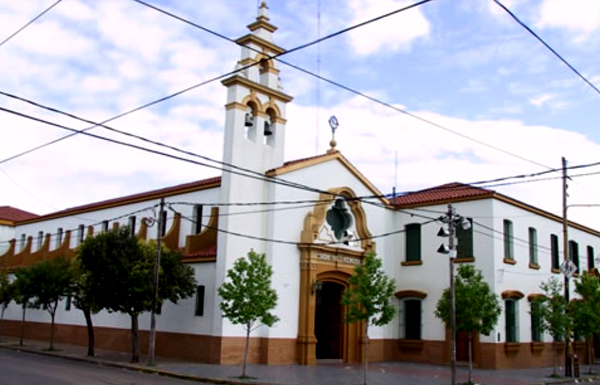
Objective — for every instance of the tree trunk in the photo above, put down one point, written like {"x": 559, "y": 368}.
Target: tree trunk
{"x": 2, "y": 316}
{"x": 366, "y": 369}
{"x": 135, "y": 341}
{"x": 554, "y": 357}
{"x": 22, "y": 325}
{"x": 590, "y": 352}
{"x": 246, "y": 350}
{"x": 90, "y": 330}
{"x": 52, "y": 314}
{"x": 470, "y": 347}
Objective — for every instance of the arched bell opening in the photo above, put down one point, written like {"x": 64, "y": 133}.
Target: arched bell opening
{"x": 250, "y": 121}
{"x": 269, "y": 127}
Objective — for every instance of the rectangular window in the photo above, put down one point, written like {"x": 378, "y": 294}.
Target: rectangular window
{"x": 40, "y": 239}
{"x": 197, "y": 224}
{"x": 590, "y": 257}
{"x": 22, "y": 242}
{"x": 533, "y": 252}
{"x": 131, "y": 224}
{"x": 163, "y": 224}
{"x": 464, "y": 238}
{"x": 554, "y": 252}
{"x": 413, "y": 242}
{"x": 200, "y": 300}
{"x": 80, "y": 233}
{"x": 574, "y": 253}
{"x": 59, "y": 236}
{"x": 509, "y": 252}
{"x": 68, "y": 303}
{"x": 412, "y": 319}
{"x": 510, "y": 313}
{"x": 105, "y": 226}
{"x": 536, "y": 328}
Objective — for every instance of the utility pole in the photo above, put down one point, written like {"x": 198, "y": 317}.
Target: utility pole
{"x": 152, "y": 342}
{"x": 568, "y": 369}
{"x": 452, "y": 291}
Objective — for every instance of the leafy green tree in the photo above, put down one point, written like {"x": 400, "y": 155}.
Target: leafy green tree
{"x": 247, "y": 296}
{"x": 477, "y": 307}
{"x": 50, "y": 280}
{"x": 586, "y": 317}
{"x": 83, "y": 297}
{"x": 23, "y": 293}
{"x": 551, "y": 308}
{"x": 119, "y": 272}
{"x": 368, "y": 299}
{"x": 6, "y": 292}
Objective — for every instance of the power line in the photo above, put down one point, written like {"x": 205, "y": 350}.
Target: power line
{"x": 559, "y": 56}
{"x": 29, "y": 23}
{"x": 346, "y": 88}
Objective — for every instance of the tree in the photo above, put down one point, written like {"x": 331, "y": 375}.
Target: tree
{"x": 83, "y": 297}
{"x": 247, "y": 296}
{"x": 23, "y": 292}
{"x": 368, "y": 299}
{"x": 49, "y": 281}
{"x": 119, "y": 270}
{"x": 6, "y": 292}
{"x": 477, "y": 307}
{"x": 551, "y": 308}
{"x": 586, "y": 317}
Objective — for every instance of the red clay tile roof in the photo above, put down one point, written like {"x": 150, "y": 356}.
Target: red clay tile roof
{"x": 13, "y": 214}
{"x": 147, "y": 195}
{"x": 440, "y": 194}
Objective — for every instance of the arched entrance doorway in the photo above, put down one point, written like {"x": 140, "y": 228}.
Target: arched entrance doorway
{"x": 329, "y": 321}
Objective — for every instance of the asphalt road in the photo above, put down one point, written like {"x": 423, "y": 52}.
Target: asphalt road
{"x": 20, "y": 368}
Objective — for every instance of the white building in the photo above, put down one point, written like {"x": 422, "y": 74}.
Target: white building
{"x": 215, "y": 221}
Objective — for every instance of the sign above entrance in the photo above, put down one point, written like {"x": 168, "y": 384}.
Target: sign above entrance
{"x": 339, "y": 258}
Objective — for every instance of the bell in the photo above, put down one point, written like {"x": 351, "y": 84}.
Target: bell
{"x": 249, "y": 122}
{"x": 268, "y": 129}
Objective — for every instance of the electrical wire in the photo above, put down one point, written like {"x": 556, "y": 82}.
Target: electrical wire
{"x": 29, "y": 23}
{"x": 554, "y": 52}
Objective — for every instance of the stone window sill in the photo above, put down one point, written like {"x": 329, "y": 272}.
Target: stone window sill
{"x": 411, "y": 263}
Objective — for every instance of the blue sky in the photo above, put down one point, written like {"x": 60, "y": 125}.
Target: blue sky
{"x": 463, "y": 64}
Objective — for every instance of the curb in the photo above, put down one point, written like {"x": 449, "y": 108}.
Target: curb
{"x": 132, "y": 367}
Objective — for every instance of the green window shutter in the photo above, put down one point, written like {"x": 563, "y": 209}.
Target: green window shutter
{"x": 508, "y": 240}
{"x": 536, "y": 328}
{"x": 465, "y": 241}
{"x": 590, "y": 257}
{"x": 554, "y": 251}
{"x": 574, "y": 253}
{"x": 413, "y": 242}
{"x": 511, "y": 322}
{"x": 533, "y": 246}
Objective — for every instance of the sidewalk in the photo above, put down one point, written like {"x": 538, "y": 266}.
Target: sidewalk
{"x": 329, "y": 373}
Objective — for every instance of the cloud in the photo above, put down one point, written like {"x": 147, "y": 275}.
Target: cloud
{"x": 540, "y": 100}
{"x": 578, "y": 16}
{"x": 392, "y": 34}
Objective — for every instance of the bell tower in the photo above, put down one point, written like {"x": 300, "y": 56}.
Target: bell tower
{"x": 255, "y": 109}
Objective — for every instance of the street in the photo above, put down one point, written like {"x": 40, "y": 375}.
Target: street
{"x": 20, "y": 368}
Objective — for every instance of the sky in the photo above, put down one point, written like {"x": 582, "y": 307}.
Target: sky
{"x": 485, "y": 99}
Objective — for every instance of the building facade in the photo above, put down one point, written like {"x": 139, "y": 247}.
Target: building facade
{"x": 288, "y": 211}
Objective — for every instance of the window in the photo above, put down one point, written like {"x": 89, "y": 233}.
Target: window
{"x": 22, "y": 242}
{"x": 59, "y": 236}
{"x": 80, "y": 233}
{"x": 200, "y": 300}
{"x": 197, "y": 223}
{"x": 40, "y": 239}
{"x": 574, "y": 253}
{"x": 533, "y": 252}
{"x": 511, "y": 317}
{"x": 104, "y": 226}
{"x": 590, "y": 257}
{"x": 536, "y": 328}
{"x": 68, "y": 303}
{"x": 412, "y": 319}
{"x": 413, "y": 242}
{"x": 554, "y": 252}
{"x": 464, "y": 247}
{"x": 509, "y": 252}
{"x": 163, "y": 223}
{"x": 131, "y": 224}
